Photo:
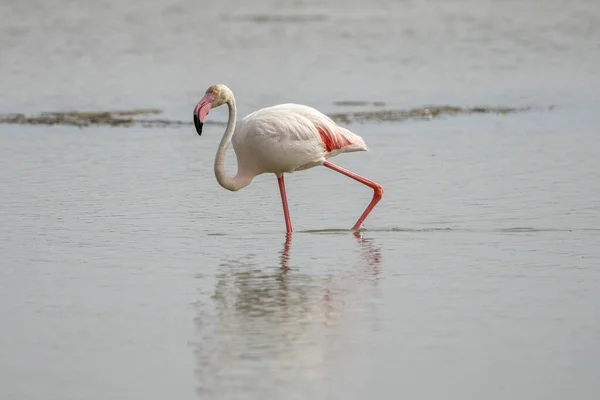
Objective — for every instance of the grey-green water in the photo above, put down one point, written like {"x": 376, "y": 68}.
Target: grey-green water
{"x": 126, "y": 272}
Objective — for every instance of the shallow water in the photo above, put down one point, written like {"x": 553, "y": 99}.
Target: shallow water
{"x": 128, "y": 273}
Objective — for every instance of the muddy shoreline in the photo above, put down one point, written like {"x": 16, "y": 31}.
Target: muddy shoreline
{"x": 141, "y": 117}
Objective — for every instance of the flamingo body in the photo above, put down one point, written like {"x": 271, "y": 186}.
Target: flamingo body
{"x": 288, "y": 138}
{"x": 280, "y": 139}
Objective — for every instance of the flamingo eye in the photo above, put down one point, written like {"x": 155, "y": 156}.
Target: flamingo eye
{"x": 213, "y": 90}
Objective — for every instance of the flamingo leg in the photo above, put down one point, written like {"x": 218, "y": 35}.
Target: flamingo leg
{"x": 286, "y": 210}
{"x": 377, "y": 189}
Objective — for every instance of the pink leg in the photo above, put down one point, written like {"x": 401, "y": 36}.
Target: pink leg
{"x": 377, "y": 188}
{"x": 286, "y": 210}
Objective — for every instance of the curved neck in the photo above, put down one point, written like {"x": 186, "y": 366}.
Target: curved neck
{"x": 228, "y": 182}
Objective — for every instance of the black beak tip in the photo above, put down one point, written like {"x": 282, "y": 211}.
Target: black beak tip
{"x": 198, "y": 125}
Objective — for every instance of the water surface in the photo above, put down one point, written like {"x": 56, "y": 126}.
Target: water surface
{"x": 128, "y": 273}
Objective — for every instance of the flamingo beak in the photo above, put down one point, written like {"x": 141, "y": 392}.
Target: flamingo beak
{"x": 201, "y": 111}
{"x": 198, "y": 125}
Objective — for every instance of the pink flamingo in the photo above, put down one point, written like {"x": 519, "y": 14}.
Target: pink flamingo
{"x": 280, "y": 139}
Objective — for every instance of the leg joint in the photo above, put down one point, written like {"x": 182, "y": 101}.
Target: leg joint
{"x": 378, "y": 189}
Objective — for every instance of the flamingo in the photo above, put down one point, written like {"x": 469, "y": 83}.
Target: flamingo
{"x": 280, "y": 139}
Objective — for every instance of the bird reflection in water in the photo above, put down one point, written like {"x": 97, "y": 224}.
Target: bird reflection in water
{"x": 269, "y": 330}
{"x": 285, "y": 254}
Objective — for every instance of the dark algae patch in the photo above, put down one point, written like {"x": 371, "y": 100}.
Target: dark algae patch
{"x": 125, "y": 118}
{"x": 424, "y": 113}
{"x": 79, "y": 118}
{"x": 282, "y": 18}
{"x": 356, "y": 103}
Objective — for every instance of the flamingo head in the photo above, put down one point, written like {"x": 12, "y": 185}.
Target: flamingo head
{"x": 215, "y": 96}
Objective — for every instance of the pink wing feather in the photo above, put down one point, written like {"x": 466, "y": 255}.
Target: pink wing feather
{"x": 339, "y": 138}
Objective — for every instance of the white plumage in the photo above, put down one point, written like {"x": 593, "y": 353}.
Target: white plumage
{"x": 286, "y": 138}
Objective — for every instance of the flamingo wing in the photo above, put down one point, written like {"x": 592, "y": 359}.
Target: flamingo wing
{"x": 300, "y": 122}
{"x": 290, "y": 137}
